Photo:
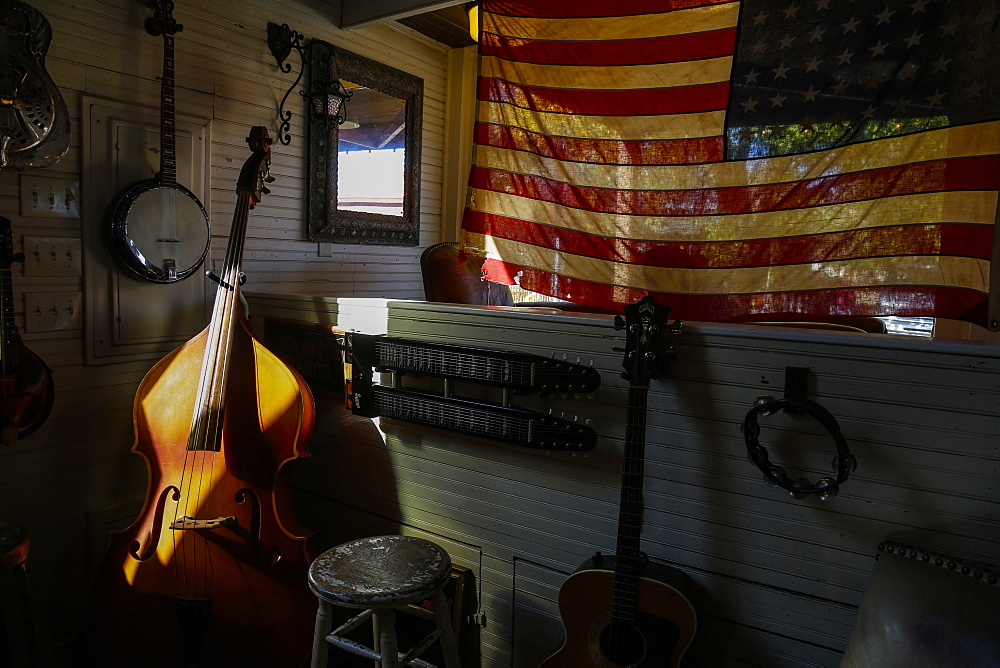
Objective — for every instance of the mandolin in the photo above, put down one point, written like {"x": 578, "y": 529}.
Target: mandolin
{"x": 26, "y": 394}
{"x": 213, "y": 570}
{"x": 159, "y": 230}
{"x": 625, "y": 611}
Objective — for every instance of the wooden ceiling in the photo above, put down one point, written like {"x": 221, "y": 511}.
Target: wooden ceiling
{"x": 448, "y": 25}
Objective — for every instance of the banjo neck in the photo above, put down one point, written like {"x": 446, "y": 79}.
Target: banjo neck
{"x": 168, "y": 139}
{"x": 163, "y": 23}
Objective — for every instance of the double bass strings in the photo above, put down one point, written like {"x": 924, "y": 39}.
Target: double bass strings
{"x": 204, "y": 440}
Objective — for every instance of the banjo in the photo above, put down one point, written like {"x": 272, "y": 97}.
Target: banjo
{"x": 159, "y": 230}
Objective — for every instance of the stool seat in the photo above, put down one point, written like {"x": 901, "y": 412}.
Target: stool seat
{"x": 380, "y": 575}
{"x": 380, "y": 571}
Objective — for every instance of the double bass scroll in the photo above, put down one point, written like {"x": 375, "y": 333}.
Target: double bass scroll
{"x": 213, "y": 570}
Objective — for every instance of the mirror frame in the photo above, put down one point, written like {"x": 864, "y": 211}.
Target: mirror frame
{"x": 326, "y": 222}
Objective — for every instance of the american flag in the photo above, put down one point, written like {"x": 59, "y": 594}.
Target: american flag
{"x": 752, "y": 160}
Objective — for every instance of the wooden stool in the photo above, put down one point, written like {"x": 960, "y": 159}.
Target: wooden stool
{"x": 380, "y": 575}
{"x": 14, "y": 545}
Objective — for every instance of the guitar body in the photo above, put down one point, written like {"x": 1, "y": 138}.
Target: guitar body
{"x": 663, "y": 628}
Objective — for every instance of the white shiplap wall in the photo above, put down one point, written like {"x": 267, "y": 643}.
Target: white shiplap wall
{"x": 779, "y": 579}
{"x": 76, "y": 476}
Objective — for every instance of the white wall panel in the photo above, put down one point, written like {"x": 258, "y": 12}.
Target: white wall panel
{"x": 778, "y": 579}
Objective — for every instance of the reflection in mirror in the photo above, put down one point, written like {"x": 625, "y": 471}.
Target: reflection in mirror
{"x": 364, "y": 174}
{"x": 371, "y": 153}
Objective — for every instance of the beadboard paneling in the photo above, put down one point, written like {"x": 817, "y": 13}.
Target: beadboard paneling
{"x": 65, "y": 481}
{"x": 778, "y": 579}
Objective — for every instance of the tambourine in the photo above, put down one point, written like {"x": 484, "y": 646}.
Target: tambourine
{"x": 844, "y": 463}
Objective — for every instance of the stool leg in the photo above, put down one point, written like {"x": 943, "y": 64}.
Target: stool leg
{"x": 384, "y": 626}
{"x": 448, "y": 645}
{"x": 29, "y": 623}
{"x": 321, "y": 630}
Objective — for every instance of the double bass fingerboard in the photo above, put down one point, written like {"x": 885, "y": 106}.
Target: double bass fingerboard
{"x": 515, "y": 373}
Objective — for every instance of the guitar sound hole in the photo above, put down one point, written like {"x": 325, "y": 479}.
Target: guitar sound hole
{"x": 623, "y": 644}
{"x": 647, "y": 643}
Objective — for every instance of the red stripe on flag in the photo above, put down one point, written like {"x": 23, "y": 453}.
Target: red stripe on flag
{"x": 602, "y": 151}
{"x": 964, "y": 240}
{"x": 555, "y": 9}
{"x": 975, "y": 173}
{"x": 631, "y": 102}
{"x": 801, "y": 305}
{"x": 649, "y": 51}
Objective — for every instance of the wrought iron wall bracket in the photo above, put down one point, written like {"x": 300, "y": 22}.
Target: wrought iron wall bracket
{"x": 281, "y": 40}
{"x": 326, "y": 96}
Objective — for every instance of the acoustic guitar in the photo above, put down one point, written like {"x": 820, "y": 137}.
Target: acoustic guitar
{"x": 159, "y": 230}
{"x": 625, "y": 611}
{"x": 26, "y": 395}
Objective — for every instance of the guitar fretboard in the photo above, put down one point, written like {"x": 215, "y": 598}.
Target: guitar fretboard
{"x": 454, "y": 362}
{"x": 519, "y": 372}
{"x": 9, "y": 347}
{"x": 629, "y": 552}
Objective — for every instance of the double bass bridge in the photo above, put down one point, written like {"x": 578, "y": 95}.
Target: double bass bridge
{"x": 185, "y": 523}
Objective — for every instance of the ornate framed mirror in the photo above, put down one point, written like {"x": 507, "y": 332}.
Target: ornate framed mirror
{"x": 363, "y": 174}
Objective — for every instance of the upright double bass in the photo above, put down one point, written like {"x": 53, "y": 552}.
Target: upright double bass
{"x": 213, "y": 570}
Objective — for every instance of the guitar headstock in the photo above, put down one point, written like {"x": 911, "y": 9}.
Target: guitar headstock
{"x": 647, "y": 352}
{"x": 162, "y": 22}
{"x": 257, "y": 169}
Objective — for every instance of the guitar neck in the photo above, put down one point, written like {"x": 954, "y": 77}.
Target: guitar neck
{"x": 629, "y": 562}
{"x": 9, "y": 345}
{"x": 168, "y": 139}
